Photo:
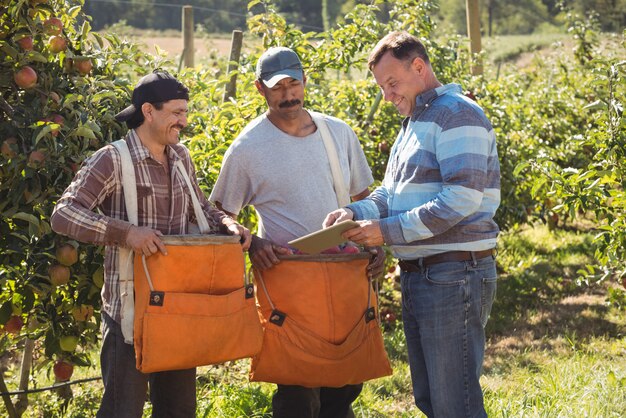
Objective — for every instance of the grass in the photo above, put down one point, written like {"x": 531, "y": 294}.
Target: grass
{"x": 555, "y": 348}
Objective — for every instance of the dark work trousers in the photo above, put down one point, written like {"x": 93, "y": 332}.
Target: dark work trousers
{"x": 302, "y": 402}
{"x": 172, "y": 393}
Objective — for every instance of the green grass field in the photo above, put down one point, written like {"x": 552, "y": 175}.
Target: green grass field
{"x": 556, "y": 348}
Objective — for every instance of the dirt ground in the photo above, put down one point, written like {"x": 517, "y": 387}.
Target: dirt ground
{"x": 203, "y": 47}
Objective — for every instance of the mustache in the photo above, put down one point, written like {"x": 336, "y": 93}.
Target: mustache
{"x": 289, "y": 103}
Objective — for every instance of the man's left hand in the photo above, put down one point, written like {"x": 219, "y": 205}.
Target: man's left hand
{"x": 368, "y": 233}
{"x": 243, "y": 232}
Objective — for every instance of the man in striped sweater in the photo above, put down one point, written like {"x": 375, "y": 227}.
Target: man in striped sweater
{"x": 435, "y": 210}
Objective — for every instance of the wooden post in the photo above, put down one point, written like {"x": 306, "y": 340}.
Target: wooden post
{"x": 188, "y": 36}
{"x": 233, "y": 65}
{"x": 473, "y": 31}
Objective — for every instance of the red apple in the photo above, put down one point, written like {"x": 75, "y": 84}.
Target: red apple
{"x": 350, "y": 249}
{"x": 67, "y": 254}
{"x": 54, "y": 96}
{"x": 14, "y": 324}
{"x": 36, "y": 158}
{"x": 470, "y": 95}
{"x": 332, "y": 250}
{"x": 26, "y": 43}
{"x": 25, "y": 77}
{"x": 383, "y": 147}
{"x": 59, "y": 275}
{"x": 8, "y": 148}
{"x": 63, "y": 370}
{"x": 53, "y": 26}
{"x": 57, "y": 44}
{"x": 83, "y": 66}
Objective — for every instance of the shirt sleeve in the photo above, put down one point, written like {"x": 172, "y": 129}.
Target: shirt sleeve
{"x": 74, "y": 214}
{"x": 233, "y": 188}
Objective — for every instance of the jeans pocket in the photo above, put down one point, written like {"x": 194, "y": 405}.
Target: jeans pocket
{"x": 488, "y": 294}
{"x": 447, "y": 274}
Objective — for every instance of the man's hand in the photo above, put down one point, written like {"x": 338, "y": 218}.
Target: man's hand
{"x": 145, "y": 241}
{"x": 376, "y": 265}
{"x": 368, "y": 233}
{"x": 263, "y": 253}
{"x": 243, "y": 232}
{"x": 336, "y": 216}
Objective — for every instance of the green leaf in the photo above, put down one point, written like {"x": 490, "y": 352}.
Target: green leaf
{"x": 6, "y": 310}
{"x": 520, "y": 167}
{"x": 27, "y": 217}
{"x": 83, "y": 131}
{"x": 597, "y": 105}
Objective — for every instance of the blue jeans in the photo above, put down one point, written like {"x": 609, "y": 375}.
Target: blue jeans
{"x": 172, "y": 393}
{"x": 445, "y": 308}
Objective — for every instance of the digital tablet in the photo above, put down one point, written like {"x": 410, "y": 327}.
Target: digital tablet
{"x": 318, "y": 241}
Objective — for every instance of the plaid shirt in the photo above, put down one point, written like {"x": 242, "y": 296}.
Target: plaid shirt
{"x": 92, "y": 208}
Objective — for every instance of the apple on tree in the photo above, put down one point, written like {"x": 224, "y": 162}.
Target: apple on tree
{"x": 36, "y": 158}
{"x": 83, "y": 65}
{"x": 59, "y": 274}
{"x": 14, "y": 324}
{"x": 26, "y": 43}
{"x": 8, "y": 148}
{"x": 67, "y": 254}
{"x": 25, "y": 77}
{"x": 68, "y": 343}
{"x": 57, "y": 44}
{"x": 53, "y": 26}
{"x": 63, "y": 370}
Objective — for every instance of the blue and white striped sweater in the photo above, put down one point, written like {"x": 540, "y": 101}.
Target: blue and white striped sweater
{"x": 442, "y": 185}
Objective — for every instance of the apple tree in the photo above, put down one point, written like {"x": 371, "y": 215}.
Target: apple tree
{"x": 61, "y": 86}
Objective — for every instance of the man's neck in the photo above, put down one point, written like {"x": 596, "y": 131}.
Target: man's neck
{"x": 156, "y": 149}
{"x": 300, "y": 125}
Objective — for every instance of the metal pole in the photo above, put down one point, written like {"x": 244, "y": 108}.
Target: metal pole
{"x": 473, "y": 31}
{"x": 188, "y": 50}
{"x": 233, "y": 64}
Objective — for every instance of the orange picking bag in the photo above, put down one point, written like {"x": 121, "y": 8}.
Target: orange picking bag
{"x": 320, "y": 321}
{"x": 194, "y": 307}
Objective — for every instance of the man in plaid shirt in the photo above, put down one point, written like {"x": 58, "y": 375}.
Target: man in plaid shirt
{"x": 92, "y": 210}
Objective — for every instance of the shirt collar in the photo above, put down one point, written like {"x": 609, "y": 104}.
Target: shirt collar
{"x": 425, "y": 99}
{"x": 139, "y": 152}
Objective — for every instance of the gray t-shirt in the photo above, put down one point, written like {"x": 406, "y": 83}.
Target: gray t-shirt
{"x": 288, "y": 179}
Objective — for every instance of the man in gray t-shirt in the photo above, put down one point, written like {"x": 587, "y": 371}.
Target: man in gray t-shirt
{"x": 279, "y": 165}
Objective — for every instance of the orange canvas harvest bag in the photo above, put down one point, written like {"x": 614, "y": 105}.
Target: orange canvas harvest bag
{"x": 194, "y": 307}
{"x": 320, "y": 321}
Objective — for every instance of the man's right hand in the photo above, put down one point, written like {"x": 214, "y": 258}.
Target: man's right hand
{"x": 336, "y": 216}
{"x": 146, "y": 241}
{"x": 263, "y": 253}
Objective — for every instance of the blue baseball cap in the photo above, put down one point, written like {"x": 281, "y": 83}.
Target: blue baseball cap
{"x": 278, "y": 63}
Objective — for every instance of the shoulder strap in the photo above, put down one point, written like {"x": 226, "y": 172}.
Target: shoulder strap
{"x": 125, "y": 255}
{"x": 203, "y": 224}
{"x": 343, "y": 196}
{"x": 129, "y": 182}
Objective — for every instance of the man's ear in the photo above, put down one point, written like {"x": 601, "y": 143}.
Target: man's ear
{"x": 303, "y": 78}
{"x": 259, "y": 87}
{"x": 147, "y": 110}
{"x": 418, "y": 65}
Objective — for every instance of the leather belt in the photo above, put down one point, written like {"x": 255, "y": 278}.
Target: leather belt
{"x": 420, "y": 263}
